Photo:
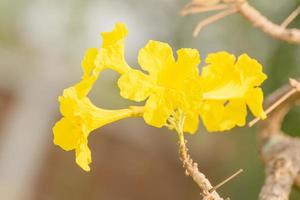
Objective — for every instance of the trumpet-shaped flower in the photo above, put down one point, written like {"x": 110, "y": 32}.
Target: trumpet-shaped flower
{"x": 228, "y": 87}
{"x": 80, "y": 118}
{"x": 169, "y": 84}
{"x": 220, "y": 95}
{"x": 80, "y": 115}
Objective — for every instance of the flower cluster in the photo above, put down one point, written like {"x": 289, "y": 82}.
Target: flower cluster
{"x": 219, "y": 96}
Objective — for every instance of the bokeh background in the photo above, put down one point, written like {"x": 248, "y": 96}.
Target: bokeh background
{"x": 42, "y": 43}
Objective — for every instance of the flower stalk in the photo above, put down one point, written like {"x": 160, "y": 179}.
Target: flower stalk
{"x": 176, "y": 122}
{"x": 208, "y": 192}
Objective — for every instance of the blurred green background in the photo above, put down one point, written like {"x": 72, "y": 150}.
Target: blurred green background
{"x": 42, "y": 43}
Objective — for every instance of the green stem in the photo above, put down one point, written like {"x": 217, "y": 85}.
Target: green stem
{"x": 180, "y": 136}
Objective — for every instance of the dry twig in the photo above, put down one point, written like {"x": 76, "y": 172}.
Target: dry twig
{"x": 192, "y": 9}
{"x": 291, "y": 17}
{"x": 254, "y": 17}
{"x": 213, "y": 19}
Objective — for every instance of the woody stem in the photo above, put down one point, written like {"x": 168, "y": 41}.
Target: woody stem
{"x": 191, "y": 167}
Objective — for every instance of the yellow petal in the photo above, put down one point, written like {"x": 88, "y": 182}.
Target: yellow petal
{"x": 221, "y": 116}
{"x": 115, "y": 37}
{"x": 220, "y": 66}
{"x": 158, "y": 108}
{"x": 227, "y": 91}
{"x": 135, "y": 85}
{"x": 67, "y": 134}
{"x": 250, "y": 70}
{"x": 188, "y": 61}
{"x": 211, "y": 114}
{"x": 154, "y": 57}
{"x": 235, "y": 113}
{"x": 220, "y": 79}
{"x": 180, "y": 75}
{"x": 254, "y": 100}
{"x": 84, "y": 86}
{"x": 90, "y": 73}
{"x": 111, "y": 55}
{"x": 68, "y": 102}
{"x": 220, "y": 60}
{"x": 191, "y": 122}
{"x": 83, "y": 156}
{"x": 88, "y": 62}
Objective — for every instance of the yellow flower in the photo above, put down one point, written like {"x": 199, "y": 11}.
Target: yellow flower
{"x": 220, "y": 95}
{"x": 228, "y": 88}
{"x": 80, "y": 115}
{"x": 169, "y": 84}
{"x": 80, "y": 118}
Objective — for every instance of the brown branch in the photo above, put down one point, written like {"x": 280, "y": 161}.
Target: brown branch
{"x": 208, "y": 192}
{"x": 213, "y": 19}
{"x": 279, "y": 151}
{"x": 198, "y": 177}
{"x": 282, "y": 165}
{"x": 260, "y": 21}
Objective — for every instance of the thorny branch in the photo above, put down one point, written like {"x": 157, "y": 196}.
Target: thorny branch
{"x": 198, "y": 177}
{"x": 228, "y": 7}
{"x": 279, "y": 151}
{"x": 208, "y": 192}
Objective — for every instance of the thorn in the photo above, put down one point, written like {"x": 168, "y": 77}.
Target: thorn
{"x": 226, "y": 180}
{"x": 213, "y": 19}
{"x": 291, "y": 17}
{"x": 294, "y": 83}
{"x": 186, "y": 172}
{"x": 196, "y": 165}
